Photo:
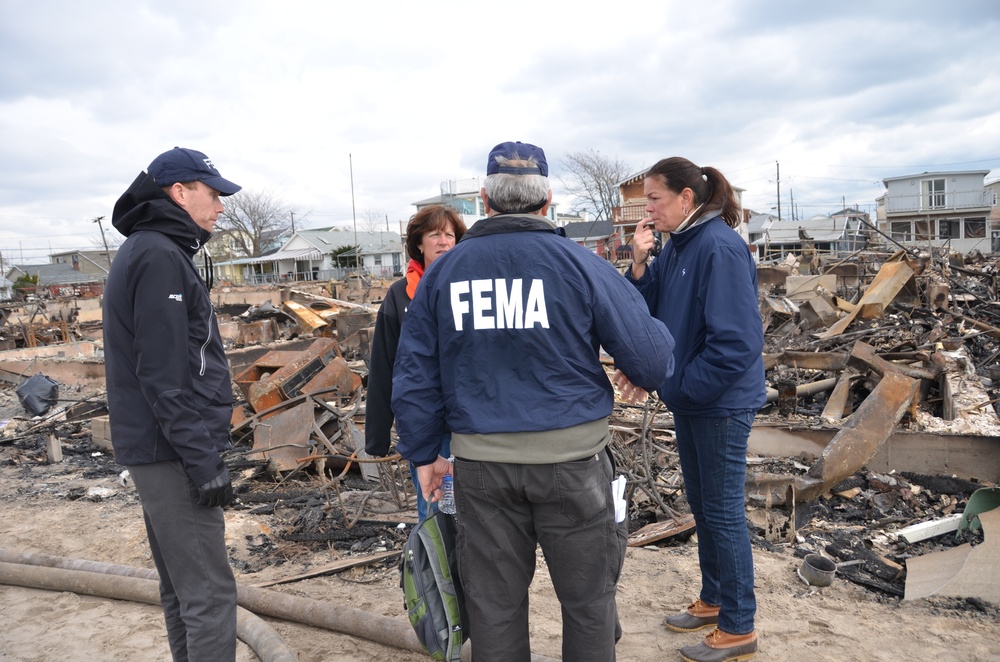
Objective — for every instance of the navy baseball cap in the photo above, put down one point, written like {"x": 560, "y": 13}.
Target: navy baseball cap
{"x": 188, "y": 165}
{"x": 516, "y": 151}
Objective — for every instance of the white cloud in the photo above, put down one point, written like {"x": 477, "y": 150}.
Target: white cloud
{"x": 288, "y": 97}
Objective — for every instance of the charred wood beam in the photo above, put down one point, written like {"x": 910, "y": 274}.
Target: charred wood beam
{"x": 806, "y": 360}
{"x": 805, "y": 390}
{"x": 991, "y": 330}
{"x": 860, "y": 436}
{"x": 863, "y": 356}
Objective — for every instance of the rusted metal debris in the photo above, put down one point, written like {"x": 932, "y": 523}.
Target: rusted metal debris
{"x": 906, "y": 320}
{"x": 865, "y": 349}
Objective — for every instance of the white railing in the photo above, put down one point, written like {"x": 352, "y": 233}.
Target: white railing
{"x": 940, "y": 201}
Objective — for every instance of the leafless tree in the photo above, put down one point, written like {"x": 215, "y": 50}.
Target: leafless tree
{"x": 593, "y": 180}
{"x": 110, "y": 239}
{"x": 251, "y": 221}
{"x": 373, "y": 220}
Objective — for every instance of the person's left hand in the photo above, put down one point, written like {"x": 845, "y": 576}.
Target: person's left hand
{"x": 430, "y": 476}
{"x": 217, "y": 492}
{"x": 629, "y": 391}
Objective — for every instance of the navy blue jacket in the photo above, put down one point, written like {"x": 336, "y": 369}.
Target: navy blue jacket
{"x": 504, "y": 335}
{"x": 169, "y": 387}
{"x": 704, "y": 287}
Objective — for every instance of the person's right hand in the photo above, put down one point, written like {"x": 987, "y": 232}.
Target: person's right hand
{"x": 643, "y": 241}
{"x": 217, "y": 492}
{"x": 430, "y": 476}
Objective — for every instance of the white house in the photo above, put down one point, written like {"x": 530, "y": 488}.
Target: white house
{"x": 939, "y": 210}
{"x": 463, "y": 195}
{"x": 323, "y": 254}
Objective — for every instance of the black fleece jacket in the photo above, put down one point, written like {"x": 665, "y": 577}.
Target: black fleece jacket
{"x": 169, "y": 386}
{"x": 378, "y": 408}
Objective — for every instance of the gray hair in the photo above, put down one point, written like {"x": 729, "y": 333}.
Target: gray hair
{"x": 509, "y": 193}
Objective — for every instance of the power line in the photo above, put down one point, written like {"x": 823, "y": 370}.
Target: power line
{"x": 893, "y": 167}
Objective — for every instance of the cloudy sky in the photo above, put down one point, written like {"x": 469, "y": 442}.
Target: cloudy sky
{"x": 290, "y": 98}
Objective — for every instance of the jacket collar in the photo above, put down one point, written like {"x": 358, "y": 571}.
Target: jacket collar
{"x": 504, "y": 223}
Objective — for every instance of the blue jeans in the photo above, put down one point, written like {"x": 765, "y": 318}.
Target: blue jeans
{"x": 713, "y": 455}
{"x": 421, "y": 501}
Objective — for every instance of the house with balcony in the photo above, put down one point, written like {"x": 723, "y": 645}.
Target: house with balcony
{"x": 940, "y": 210}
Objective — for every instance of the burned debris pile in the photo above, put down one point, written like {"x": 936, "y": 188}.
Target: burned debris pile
{"x": 857, "y": 352}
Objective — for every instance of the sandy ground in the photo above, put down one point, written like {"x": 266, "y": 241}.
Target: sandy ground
{"x": 839, "y": 623}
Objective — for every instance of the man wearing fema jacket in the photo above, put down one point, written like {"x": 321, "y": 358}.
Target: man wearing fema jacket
{"x": 501, "y": 345}
{"x": 170, "y": 395}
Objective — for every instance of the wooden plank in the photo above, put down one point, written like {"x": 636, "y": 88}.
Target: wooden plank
{"x": 660, "y": 530}
{"x": 53, "y": 449}
{"x": 337, "y": 566}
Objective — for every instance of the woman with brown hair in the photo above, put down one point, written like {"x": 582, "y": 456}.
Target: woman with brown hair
{"x": 430, "y": 232}
{"x": 703, "y": 286}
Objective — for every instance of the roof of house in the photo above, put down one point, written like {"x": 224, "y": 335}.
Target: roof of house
{"x": 760, "y": 222}
{"x": 95, "y": 252}
{"x": 922, "y": 175}
{"x": 55, "y": 274}
{"x": 585, "y": 230}
{"x": 822, "y": 229}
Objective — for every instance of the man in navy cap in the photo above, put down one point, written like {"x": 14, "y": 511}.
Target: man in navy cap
{"x": 501, "y": 346}
{"x": 170, "y": 397}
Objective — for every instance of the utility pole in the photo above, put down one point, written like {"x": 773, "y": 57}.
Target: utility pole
{"x": 791, "y": 203}
{"x": 777, "y": 181}
{"x": 354, "y": 215}
{"x": 107, "y": 253}
{"x": 292, "y": 214}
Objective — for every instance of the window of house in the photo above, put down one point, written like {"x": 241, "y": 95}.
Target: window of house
{"x": 378, "y": 260}
{"x": 924, "y": 230}
{"x": 975, "y": 228}
{"x": 901, "y": 231}
{"x": 933, "y": 193}
{"x": 949, "y": 228}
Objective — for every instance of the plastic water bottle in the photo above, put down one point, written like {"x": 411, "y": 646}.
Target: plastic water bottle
{"x": 447, "y": 504}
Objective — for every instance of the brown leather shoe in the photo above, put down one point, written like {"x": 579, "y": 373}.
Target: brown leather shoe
{"x": 698, "y": 615}
{"x": 720, "y": 646}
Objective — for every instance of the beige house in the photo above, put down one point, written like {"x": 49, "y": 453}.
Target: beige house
{"x": 93, "y": 263}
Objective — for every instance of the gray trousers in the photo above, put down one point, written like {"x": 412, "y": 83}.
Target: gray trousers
{"x": 504, "y": 511}
{"x": 197, "y": 587}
